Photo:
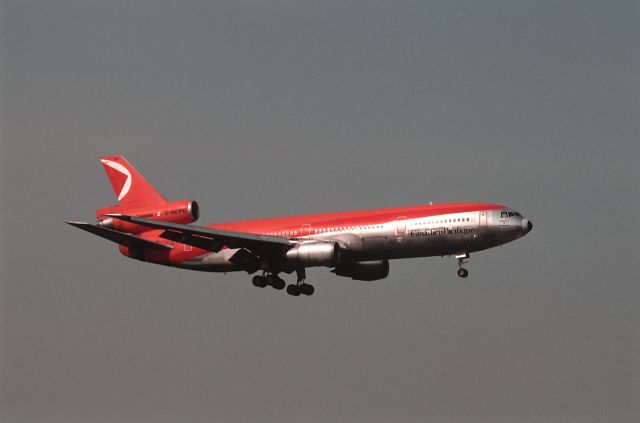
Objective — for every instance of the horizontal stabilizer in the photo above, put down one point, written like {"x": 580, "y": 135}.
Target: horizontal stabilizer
{"x": 120, "y": 237}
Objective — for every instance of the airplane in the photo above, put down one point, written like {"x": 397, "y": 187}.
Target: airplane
{"x": 355, "y": 244}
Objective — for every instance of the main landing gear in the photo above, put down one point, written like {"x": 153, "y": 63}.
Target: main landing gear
{"x": 269, "y": 279}
{"x": 462, "y": 260}
{"x": 300, "y": 287}
{"x": 273, "y": 280}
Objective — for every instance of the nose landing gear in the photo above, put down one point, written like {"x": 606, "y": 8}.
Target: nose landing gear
{"x": 462, "y": 260}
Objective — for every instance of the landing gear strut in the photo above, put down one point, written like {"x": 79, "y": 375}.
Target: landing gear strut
{"x": 462, "y": 260}
{"x": 300, "y": 287}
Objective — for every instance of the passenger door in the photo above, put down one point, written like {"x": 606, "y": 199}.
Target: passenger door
{"x": 401, "y": 226}
{"x": 483, "y": 219}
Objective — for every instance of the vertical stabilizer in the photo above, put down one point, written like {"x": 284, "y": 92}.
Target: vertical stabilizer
{"x": 130, "y": 187}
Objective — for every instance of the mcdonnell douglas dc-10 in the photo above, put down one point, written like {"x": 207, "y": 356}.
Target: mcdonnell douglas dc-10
{"x": 355, "y": 244}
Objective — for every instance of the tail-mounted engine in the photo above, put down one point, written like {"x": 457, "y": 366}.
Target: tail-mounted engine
{"x": 315, "y": 254}
{"x": 363, "y": 270}
{"x": 185, "y": 211}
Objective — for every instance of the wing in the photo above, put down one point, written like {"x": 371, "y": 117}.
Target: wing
{"x": 214, "y": 239}
{"x": 119, "y": 237}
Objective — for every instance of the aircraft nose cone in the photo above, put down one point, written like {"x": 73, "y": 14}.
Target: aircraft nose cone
{"x": 527, "y": 225}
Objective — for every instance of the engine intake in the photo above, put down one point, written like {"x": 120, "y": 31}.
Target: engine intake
{"x": 363, "y": 270}
{"x": 315, "y": 254}
{"x": 185, "y": 211}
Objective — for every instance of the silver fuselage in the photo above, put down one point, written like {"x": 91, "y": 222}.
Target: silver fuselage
{"x": 441, "y": 235}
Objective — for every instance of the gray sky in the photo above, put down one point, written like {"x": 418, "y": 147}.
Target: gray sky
{"x": 259, "y": 108}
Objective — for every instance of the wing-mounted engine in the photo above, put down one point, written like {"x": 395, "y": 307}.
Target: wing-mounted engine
{"x": 363, "y": 270}
{"x": 184, "y": 211}
{"x": 314, "y": 254}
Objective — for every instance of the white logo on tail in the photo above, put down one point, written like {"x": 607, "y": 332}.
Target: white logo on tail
{"x": 127, "y": 184}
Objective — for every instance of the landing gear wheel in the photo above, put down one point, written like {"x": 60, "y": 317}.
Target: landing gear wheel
{"x": 293, "y": 290}
{"x": 300, "y": 287}
{"x": 462, "y": 260}
{"x": 307, "y": 289}
{"x": 259, "y": 281}
{"x": 278, "y": 283}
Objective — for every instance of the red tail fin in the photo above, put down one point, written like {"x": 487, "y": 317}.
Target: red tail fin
{"x": 129, "y": 186}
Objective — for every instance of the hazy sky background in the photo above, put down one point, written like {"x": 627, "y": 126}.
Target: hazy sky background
{"x": 264, "y": 108}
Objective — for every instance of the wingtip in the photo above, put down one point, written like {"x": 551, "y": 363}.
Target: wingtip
{"x": 75, "y": 223}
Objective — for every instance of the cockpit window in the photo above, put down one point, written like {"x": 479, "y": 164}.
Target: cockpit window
{"x": 503, "y": 215}
{"x": 511, "y": 214}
